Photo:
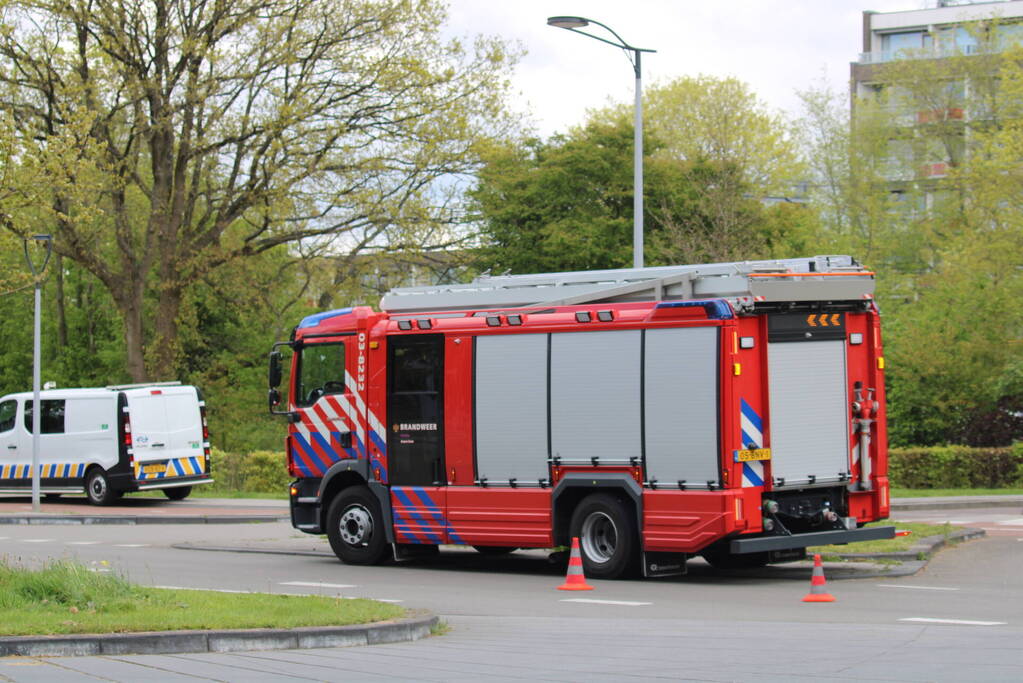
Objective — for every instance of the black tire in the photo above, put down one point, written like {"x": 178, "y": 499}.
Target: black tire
{"x": 608, "y": 538}
{"x": 495, "y": 550}
{"x": 355, "y": 527}
{"x": 722, "y": 559}
{"x": 97, "y": 488}
{"x": 178, "y": 492}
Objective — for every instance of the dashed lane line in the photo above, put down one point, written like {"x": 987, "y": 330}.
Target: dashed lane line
{"x": 37, "y": 540}
{"x": 918, "y": 588}
{"x": 83, "y": 542}
{"x": 957, "y": 622}
{"x": 626, "y": 603}
{"x": 131, "y": 545}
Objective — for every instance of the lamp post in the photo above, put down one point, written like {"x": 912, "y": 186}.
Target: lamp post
{"x": 47, "y": 242}
{"x": 574, "y": 24}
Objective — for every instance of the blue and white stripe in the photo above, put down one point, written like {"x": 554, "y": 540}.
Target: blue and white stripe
{"x": 752, "y": 427}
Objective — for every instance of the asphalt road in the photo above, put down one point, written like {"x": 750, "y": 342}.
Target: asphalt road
{"x": 961, "y": 618}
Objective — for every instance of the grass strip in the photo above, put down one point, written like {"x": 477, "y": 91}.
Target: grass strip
{"x": 65, "y": 597}
{"x": 918, "y": 531}
{"x": 933, "y": 493}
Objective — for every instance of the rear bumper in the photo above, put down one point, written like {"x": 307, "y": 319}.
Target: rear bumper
{"x": 172, "y": 483}
{"x": 767, "y": 543}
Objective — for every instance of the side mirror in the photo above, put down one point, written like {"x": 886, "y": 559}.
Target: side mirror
{"x": 275, "y": 373}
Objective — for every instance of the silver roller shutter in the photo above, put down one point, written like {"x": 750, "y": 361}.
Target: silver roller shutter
{"x": 511, "y": 407}
{"x": 681, "y": 406}
{"x": 809, "y": 412}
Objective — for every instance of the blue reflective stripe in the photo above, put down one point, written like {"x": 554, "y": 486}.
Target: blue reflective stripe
{"x": 751, "y": 415}
{"x": 412, "y": 515}
{"x": 438, "y": 515}
{"x": 748, "y": 473}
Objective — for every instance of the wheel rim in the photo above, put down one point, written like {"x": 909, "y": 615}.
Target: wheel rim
{"x": 356, "y": 525}
{"x": 98, "y": 487}
{"x": 599, "y": 537}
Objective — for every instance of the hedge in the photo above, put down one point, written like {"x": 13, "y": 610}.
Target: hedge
{"x": 259, "y": 471}
{"x": 936, "y": 467}
{"x": 952, "y": 467}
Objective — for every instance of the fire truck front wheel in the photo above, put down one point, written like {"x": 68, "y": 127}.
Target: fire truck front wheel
{"x": 606, "y": 528}
{"x": 355, "y": 527}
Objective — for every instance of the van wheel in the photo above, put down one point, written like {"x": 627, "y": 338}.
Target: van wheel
{"x": 178, "y": 492}
{"x": 608, "y": 540}
{"x": 97, "y": 488}
{"x": 355, "y": 527}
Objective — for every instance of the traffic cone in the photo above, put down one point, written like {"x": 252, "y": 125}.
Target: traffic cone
{"x": 817, "y": 591}
{"x": 574, "y": 579}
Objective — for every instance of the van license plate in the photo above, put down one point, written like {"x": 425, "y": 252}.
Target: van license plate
{"x": 154, "y": 469}
{"x": 753, "y": 454}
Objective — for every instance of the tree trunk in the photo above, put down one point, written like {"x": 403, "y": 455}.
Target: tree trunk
{"x": 165, "y": 353}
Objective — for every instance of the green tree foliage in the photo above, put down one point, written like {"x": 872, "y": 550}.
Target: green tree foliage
{"x": 566, "y": 204}
{"x": 925, "y": 187}
{"x": 162, "y": 140}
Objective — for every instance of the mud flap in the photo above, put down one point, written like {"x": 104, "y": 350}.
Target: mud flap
{"x": 414, "y": 551}
{"x": 656, "y": 565}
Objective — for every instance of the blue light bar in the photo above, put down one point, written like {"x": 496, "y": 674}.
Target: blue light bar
{"x": 314, "y": 320}
{"x": 716, "y": 309}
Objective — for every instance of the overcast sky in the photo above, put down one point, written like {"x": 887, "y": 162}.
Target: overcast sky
{"x": 776, "y": 46}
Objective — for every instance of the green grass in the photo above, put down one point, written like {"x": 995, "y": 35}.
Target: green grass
{"x": 931, "y": 493}
{"x": 889, "y": 545}
{"x": 64, "y": 597}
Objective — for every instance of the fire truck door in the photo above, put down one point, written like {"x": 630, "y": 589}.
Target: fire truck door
{"x": 415, "y": 399}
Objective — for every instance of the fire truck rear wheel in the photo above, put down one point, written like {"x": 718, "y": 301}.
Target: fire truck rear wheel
{"x": 608, "y": 540}
{"x": 355, "y": 527}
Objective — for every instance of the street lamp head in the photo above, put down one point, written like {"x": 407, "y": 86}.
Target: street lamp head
{"x": 42, "y": 239}
{"x": 567, "y": 22}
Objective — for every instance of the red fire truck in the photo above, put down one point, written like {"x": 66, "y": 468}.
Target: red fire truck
{"x": 731, "y": 410}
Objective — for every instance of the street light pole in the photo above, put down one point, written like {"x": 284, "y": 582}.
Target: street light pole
{"x": 47, "y": 241}
{"x": 574, "y": 24}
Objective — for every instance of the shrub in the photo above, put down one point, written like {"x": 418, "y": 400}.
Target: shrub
{"x": 942, "y": 467}
{"x": 259, "y": 471}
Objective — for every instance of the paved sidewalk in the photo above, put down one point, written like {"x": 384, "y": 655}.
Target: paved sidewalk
{"x": 956, "y": 502}
{"x": 143, "y": 510}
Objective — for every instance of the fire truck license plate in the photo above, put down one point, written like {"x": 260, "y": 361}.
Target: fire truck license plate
{"x": 753, "y": 454}
{"x": 155, "y": 469}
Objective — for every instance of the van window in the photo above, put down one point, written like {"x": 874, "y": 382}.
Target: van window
{"x": 321, "y": 370}
{"x": 8, "y": 414}
{"x": 51, "y": 417}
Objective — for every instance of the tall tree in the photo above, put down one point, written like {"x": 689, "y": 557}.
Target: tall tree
{"x": 164, "y": 139}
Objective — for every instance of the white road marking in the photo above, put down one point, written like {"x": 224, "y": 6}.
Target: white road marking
{"x": 1012, "y": 522}
{"x": 313, "y": 584}
{"x": 919, "y": 588}
{"x": 961, "y": 622}
{"x": 82, "y": 542}
{"x": 100, "y": 570}
{"x": 607, "y": 602}
{"x": 131, "y": 545}
{"x": 37, "y": 540}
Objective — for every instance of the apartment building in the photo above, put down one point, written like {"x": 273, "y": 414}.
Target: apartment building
{"x": 933, "y": 121}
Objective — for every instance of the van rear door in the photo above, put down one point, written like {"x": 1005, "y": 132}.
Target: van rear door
{"x": 166, "y": 429}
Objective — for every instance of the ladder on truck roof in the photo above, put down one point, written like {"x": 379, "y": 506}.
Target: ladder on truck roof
{"x": 743, "y": 283}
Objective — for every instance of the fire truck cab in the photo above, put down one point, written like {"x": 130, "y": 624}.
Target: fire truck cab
{"x": 731, "y": 410}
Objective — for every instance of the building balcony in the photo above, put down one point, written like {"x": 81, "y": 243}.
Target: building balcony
{"x": 880, "y": 57}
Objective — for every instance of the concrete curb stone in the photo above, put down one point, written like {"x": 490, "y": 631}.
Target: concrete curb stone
{"x": 93, "y": 519}
{"x": 230, "y": 640}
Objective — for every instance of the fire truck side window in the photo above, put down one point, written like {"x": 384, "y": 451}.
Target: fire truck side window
{"x": 321, "y": 370}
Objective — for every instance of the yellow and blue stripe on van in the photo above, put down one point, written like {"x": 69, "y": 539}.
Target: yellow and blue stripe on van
{"x": 165, "y": 469}
{"x": 47, "y": 471}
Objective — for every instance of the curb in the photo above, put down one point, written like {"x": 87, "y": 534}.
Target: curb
{"x": 143, "y": 519}
{"x": 232, "y": 640}
{"x": 926, "y": 545}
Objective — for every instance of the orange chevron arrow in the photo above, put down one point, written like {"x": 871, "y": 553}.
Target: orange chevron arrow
{"x": 824, "y": 320}
{"x": 836, "y": 319}
{"x": 810, "y": 320}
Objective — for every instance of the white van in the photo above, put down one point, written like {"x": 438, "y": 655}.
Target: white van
{"x": 107, "y": 441}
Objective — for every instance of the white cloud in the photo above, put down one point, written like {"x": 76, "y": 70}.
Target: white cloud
{"x": 776, "y": 46}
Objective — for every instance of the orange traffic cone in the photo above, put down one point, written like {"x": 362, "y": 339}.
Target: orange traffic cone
{"x": 575, "y": 580}
{"x": 817, "y": 591}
